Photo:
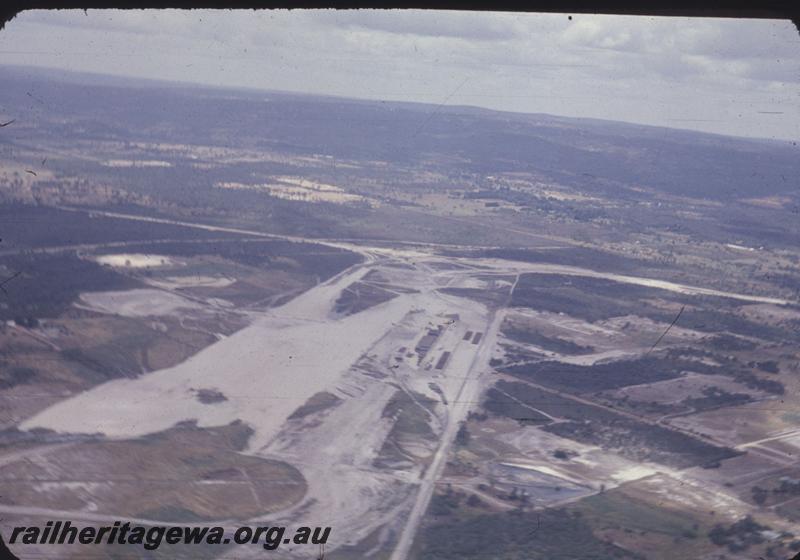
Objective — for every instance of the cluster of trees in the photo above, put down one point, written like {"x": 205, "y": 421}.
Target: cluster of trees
{"x": 787, "y": 485}
{"x": 714, "y": 397}
{"x": 601, "y": 376}
{"x": 521, "y": 496}
{"x": 448, "y": 502}
{"x": 48, "y": 283}
{"x": 738, "y": 536}
{"x": 564, "y": 454}
{"x": 770, "y": 366}
{"x": 517, "y": 534}
{"x": 10, "y": 377}
{"x": 27, "y": 322}
{"x": 462, "y": 436}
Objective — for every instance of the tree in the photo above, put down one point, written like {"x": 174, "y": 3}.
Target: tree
{"x": 474, "y": 501}
{"x": 462, "y": 436}
{"x": 759, "y": 495}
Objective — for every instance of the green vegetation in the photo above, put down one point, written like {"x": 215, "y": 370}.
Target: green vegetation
{"x": 35, "y": 227}
{"x": 615, "y": 510}
{"x": 759, "y": 494}
{"x": 118, "y": 358}
{"x": 10, "y": 377}
{"x": 630, "y": 438}
{"x": 47, "y": 284}
{"x": 316, "y": 403}
{"x": 714, "y": 397}
{"x": 573, "y": 378}
{"x": 359, "y": 296}
{"x": 210, "y": 396}
{"x": 777, "y": 490}
{"x": 551, "y": 343}
{"x": 501, "y": 404}
{"x": 462, "y": 436}
{"x": 769, "y": 366}
{"x": 182, "y": 457}
{"x": 595, "y": 299}
{"x": 599, "y": 377}
{"x": 728, "y": 343}
{"x": 411, "y": 416}
{"x": 550, "y": 535}
{"x": 738, "y": 536}
{"x": 410, "y": 412}
{"x": 564, "y": 454}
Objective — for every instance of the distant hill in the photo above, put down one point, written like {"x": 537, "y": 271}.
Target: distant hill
{"x": 585, "y": 153}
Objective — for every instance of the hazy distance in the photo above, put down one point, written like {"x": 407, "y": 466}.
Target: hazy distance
{"x": 735, "y": 77}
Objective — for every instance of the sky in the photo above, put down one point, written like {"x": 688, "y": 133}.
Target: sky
{"x": 728, "y": 76}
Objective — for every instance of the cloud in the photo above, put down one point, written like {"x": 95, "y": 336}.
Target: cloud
{"x": 617, "y": 67}
{"x": 462, "y": 25}
{"x": 599, "y": 34}
{"x": 128, "y": 21}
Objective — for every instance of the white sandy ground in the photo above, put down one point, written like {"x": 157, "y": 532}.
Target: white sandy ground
{"x": 675, "y": 390}
{"x": 136, "y": 163}
{"x": 615, "y": 343}
{"x": 265, "y": 385}
{"x": 301, "y": 193}
{"x": 273, "y": 366}
{"x": 473, "y": 381}
{"x": 549, "y": 471}
{"x": 682, "y": 488}
{"x": 739, "y": 247}
{"x": 137, "y": 303}
{"x": 270, "y": 368}
{"x": 592, "y": 463}
{"x": 343, "y": 446}
{"x": 135, "y": 260}
{"x": 191, "y": 281}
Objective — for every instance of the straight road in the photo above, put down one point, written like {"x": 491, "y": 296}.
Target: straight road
{"x": 467, "y": 396}
{"x": 508, "y": 266}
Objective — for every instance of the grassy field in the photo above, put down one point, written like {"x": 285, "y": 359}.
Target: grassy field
{"x": 658, "y": 532}
{"x": 549, "y": 535}
{"x": 183, "y": 474}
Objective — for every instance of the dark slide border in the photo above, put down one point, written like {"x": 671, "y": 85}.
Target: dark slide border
{"x": 772, "y": 9}
{"x": 5, "y": 553}
{"x": 769, "y": 9}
